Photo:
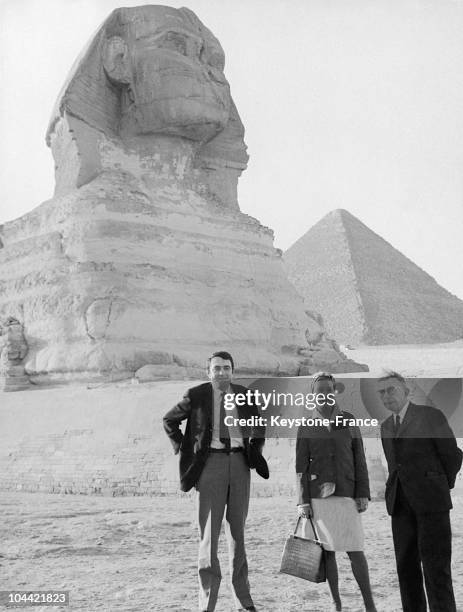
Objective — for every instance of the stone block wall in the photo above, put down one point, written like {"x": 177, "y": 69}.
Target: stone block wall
{"x": 109, "y": 440}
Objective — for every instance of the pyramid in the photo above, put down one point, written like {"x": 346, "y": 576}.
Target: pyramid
{"x": 366, "y": 290}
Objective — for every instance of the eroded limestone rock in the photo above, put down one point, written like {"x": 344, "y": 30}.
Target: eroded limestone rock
{"x": 150, "y": 70}
{"x": 142, "y": 257}
{"x": 13, "y": 349}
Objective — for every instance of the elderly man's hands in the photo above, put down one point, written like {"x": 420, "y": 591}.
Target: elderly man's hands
{"x": 305, "y": 511}
{"x": 362, "y": 503}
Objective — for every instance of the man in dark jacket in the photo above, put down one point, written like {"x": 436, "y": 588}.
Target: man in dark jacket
{"x": 215, "y": 457}
{"x": 423, "y": 460}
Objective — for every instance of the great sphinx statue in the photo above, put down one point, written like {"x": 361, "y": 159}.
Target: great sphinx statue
{"x": 142, "y": 256}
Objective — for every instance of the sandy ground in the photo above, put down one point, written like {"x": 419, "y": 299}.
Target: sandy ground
{"x": 440, "y": 360}
{"x": 139, "y": 554}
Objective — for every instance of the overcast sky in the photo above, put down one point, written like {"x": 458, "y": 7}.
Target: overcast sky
{"x": 354, "y": 104}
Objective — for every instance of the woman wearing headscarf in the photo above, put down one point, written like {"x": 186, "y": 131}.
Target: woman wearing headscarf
{"x": 333, "y": 489}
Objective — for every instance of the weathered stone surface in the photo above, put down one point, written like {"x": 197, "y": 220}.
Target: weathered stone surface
{"x": 143, "y": 256}
{"x": 109, "y": 440}
{"x": 150, "y": 70}
{"x": 368, "y": 291}
{"x": 13, "y": 349}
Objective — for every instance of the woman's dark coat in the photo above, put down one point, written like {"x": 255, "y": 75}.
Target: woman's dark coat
{"x": 335, "y": 455}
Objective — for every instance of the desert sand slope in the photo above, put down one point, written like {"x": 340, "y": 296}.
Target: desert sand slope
{"x": 426, "y": 360}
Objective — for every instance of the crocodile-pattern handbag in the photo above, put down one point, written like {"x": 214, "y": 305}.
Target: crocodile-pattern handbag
{"x": 304, "y": 557}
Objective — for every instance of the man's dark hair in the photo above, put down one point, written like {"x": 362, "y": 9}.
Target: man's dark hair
{"x": 222, "y": 355}
{"x": 391, "y": 374}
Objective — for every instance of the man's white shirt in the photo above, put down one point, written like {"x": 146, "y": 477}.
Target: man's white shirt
{"x": 402, "y": 413}
{"x": 235, "y": 432}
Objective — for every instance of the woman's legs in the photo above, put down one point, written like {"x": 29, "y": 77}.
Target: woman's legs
{"x": 332, "y": 577}
{"x": 360, "y": 570}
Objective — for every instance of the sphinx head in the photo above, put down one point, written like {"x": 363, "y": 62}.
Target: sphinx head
{"x": 150, "y": 71}
{"x": 168, "y": 71}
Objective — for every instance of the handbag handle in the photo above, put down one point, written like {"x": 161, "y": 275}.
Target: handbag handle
{"x": 317, "y": 539}
{"x": 297, "y": 524}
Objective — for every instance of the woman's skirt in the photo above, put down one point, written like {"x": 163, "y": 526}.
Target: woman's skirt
{"x": 337, "y": 522}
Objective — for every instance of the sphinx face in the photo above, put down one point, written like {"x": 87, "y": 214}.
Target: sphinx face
{"x": 176, "y": 85}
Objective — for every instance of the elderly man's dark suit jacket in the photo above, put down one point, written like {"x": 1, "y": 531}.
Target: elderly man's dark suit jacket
{"x": 193, "y": 446}
{"x": 423, "y": 460}
{"x": 424, "y": 457}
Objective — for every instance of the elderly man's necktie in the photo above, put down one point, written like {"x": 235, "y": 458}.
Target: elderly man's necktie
{"x": 224, "y": 433}
{"x": 396, "y": 425}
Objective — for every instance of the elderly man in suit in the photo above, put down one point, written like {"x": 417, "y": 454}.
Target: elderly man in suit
{"x": 216, "y": 458}
{"x": 423, "y": 460}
